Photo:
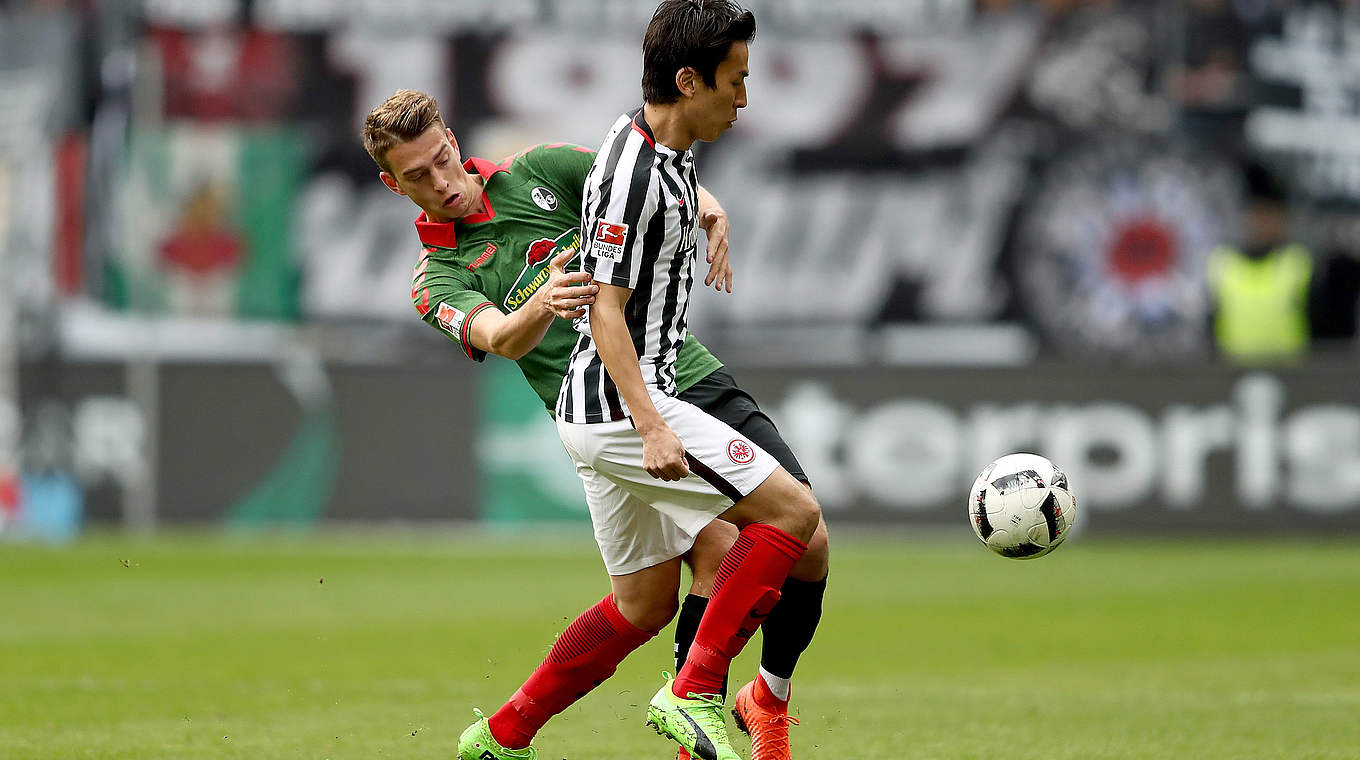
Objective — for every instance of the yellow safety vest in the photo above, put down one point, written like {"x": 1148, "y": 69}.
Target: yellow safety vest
{"x": 1262, "y": 303}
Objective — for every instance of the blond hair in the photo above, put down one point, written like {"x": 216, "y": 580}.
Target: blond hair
{"x": 402, "y": 118}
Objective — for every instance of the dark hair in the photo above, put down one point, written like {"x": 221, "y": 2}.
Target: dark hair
{"x": 693, "y": 34}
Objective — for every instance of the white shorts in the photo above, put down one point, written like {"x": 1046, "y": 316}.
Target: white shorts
{"x": 641, "y": 521}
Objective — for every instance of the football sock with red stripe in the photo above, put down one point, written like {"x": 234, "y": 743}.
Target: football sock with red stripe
{"x": 744, "y": 592}
{"x": 686, "y": 625}
{"x": 584, "y": 655}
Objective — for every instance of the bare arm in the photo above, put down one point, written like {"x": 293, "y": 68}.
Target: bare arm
{"x": 663, "y": 456}
{"x": 515, "y": 334}
{"x": 713, "y": 221}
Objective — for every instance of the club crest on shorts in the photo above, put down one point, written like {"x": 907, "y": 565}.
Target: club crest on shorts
{"x": 740, "y": 452}
{"x": 544, "y": 198}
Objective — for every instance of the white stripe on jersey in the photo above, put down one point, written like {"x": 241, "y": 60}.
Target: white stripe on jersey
{"x": 639, "y": 224}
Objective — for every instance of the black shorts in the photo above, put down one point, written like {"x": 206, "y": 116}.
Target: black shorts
{"x": 719, "y": 395}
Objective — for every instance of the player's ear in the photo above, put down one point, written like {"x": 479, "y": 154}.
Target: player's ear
{"x": 452, "y": 140}
{"x": 685, "y": 81}
{"x": 391, "y": 182}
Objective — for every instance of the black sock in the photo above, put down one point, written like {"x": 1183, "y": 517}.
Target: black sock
{"x": 789, "y": 628}
{"x": 686, "y": 625}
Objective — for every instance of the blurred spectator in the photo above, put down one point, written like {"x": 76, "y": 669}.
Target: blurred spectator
{"x": 1260, "y": 288}
{"x": 1334, "y": 307}
{"x": 1208, "y": 76}
{"x": 1211, "y": 73}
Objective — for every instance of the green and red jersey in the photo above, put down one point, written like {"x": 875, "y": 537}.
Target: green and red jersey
{"x": 499, "y": 258}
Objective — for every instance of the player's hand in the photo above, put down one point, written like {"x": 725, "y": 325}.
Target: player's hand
{"x": 716, "y": 227}
{"x": 663, "y": 456}
{"x": 568, "y": 293}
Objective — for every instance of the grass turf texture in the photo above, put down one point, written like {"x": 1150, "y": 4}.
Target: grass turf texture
{"x": 342, "y": 647}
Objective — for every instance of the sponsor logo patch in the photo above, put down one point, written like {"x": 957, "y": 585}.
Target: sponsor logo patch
{"x": 450, "y": 319}
{"x": 535, "y": 272}
{"x": 544, "y": 198}
{"x": 740, "y": 452}
{"x": 609, "y": 240}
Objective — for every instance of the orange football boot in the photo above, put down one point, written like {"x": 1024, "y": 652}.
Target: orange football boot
{"x": 765, "y": 720}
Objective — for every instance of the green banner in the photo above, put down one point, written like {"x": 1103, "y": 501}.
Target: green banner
{"x": 208, "y": 216}
{"x": 526, "y": 474}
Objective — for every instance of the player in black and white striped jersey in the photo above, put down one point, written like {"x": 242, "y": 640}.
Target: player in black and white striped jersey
{"x": 657, "y": 469}
{"x": 639, "y": 226}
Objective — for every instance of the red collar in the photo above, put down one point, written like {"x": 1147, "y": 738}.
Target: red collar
{"x": 442, "y": 234}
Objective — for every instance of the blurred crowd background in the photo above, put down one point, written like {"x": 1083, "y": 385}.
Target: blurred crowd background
{"x": 1123, "y": 233}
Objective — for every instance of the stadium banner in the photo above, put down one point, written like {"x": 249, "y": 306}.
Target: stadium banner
{"x": 257, "y": 444}
{"x": 969, "y": 163}
{"x": 208, "y": 223}
{"x": 1169, "y": 449}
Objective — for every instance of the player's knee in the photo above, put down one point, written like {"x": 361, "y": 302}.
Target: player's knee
{"x": 820, "y": 544}
{"x": 815, "y": 562}
{"x": 804, "y": 514}
{"x": 710, "y": 546}
{"x": 650, "y": 613}
{"x": 659, "y": 613}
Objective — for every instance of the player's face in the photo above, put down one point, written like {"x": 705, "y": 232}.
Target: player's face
{"x": 430, "y": 172}
{"x": 716, "y": 107}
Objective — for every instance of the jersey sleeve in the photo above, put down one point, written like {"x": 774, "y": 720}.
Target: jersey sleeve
{"x": 447, "y": 298}
{"x": 616, "y": 239}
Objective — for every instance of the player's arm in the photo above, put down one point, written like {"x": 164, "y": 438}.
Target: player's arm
{"x": 663, "y": 456}
{"x": 515, "y": 334}
{"x": 713, "y": 221}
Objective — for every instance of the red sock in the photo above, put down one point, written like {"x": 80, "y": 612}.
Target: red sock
{"x": 765, "y": 697}
{"x": 581, "y": 659}
{"x": 744, "y": 591}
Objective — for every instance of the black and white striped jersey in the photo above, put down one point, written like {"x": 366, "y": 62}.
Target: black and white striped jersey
{"x": 639, "y": 224}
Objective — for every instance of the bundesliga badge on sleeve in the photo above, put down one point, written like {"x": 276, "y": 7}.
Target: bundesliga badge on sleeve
{"x": 609, "y": 239}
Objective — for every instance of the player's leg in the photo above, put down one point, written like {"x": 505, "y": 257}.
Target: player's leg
{"x": 582, "y": 657}
{"x": 776, "y": 516}
{"x": 696, "y": 719}
{"x": 761, "y": 706}
{"x": 642, "y": 551}
{"x": 789, "y": 629}
{"x": 710, "y": 546}
{"x": 776, "y": 520}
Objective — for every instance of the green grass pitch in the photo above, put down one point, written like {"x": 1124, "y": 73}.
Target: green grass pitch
{"x": 342, "y": 646}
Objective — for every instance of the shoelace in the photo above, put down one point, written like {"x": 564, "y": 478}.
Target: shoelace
{"x": 778, "y": 740}
{"x": 714, "y": 701}
{"x": 718, "y": 729}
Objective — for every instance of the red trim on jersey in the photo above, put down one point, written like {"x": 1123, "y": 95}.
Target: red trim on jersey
{"x": 483, "y": 167}
{"x": 645, "y": 135}
{"x": 467, "y": 327}
{"x": 418, "y": 279}
{"x": 444, "y": 234}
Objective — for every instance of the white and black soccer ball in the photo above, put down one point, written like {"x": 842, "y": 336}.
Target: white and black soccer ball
{"x": 1022, "y": 506}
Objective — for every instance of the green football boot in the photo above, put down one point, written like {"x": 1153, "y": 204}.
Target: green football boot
{"x": 477, "y": 743}
{"x": 697, "y": 723}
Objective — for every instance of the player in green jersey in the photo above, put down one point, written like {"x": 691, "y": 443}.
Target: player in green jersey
{"x": 497, "y": 239}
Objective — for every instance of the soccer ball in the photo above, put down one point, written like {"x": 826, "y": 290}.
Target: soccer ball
{"x": 1022, "y": 506}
